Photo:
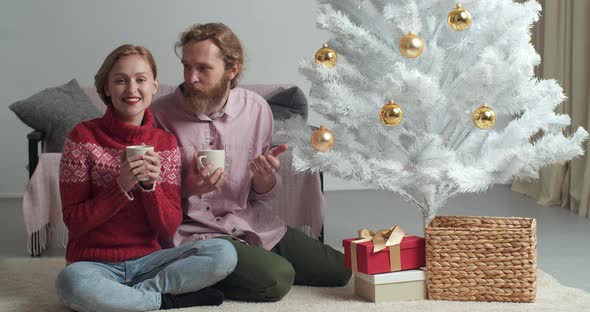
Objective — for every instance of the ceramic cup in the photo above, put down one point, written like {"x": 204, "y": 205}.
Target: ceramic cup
{"x": 133, "y": 150}
{"x": 215, "y": 157}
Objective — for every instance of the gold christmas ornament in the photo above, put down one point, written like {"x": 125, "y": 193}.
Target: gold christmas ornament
{"x": 326, "y": 57}
{"x": 391, "y": 113}
{"x": 459, "y": 19}
{"x": 411, "y": 45}
{"x": 322, "y": 139}
{"x": 484, "y": 117}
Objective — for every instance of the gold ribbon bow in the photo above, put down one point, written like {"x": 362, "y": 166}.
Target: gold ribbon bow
{"x": 381, "y": 239}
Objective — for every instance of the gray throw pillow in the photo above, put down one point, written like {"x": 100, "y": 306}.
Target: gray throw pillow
{"x": 288, "y": 102}
{"x": 55, "y": 111}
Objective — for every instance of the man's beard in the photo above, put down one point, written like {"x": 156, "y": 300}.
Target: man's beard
{"x": 206, "y": 100}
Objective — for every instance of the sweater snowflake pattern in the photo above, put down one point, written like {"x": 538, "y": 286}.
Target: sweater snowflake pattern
{"x": 104, "y": 223}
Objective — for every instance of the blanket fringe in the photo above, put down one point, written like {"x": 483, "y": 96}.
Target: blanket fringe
{"x": 59, "y": 234}
{"x": 37, "y": 242}
{"x": 50, "y": 234}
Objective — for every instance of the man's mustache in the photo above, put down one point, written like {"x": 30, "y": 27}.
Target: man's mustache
{"x": 192, "y": 90}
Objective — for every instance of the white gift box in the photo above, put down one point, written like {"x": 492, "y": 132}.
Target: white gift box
{"x": 393, "y": 286}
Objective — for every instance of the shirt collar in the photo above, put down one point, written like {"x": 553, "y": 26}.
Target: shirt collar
{"x": 231, "y": 107}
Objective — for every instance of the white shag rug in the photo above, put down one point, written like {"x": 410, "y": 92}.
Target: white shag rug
{"x": 26, "y": 284}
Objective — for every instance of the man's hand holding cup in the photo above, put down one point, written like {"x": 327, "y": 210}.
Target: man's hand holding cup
{"x": 207, "y": 172}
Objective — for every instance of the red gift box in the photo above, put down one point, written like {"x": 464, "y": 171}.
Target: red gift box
{"x": 408, "y": 255}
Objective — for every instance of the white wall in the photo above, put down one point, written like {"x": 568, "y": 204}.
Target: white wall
{"x": 47, "y": 43}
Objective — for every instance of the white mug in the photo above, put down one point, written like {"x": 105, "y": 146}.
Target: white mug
{"x": 133, "y": 150}
{"x": 215, "y": 157}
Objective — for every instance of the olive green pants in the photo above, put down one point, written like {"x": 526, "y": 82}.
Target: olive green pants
{"x": 263, "y": 275}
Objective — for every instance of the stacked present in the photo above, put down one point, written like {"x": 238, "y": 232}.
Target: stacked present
{"x": 387, "y": 265}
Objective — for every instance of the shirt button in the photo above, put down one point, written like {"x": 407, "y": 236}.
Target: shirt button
{"x": 207, "y": 208}
{"x": 217, "y": 219}
{"x": 211, "y": 142}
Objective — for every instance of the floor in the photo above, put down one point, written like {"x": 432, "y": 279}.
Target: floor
{"x": 563, "y": 237}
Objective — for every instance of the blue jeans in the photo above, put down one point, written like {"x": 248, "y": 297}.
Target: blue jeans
{"x": 137, "y": 285}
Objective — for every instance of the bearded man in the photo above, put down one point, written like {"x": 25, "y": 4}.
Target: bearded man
{"x": 208, "y": 111}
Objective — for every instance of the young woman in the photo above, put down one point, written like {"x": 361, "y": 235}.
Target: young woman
{"x": 116, "y": 209}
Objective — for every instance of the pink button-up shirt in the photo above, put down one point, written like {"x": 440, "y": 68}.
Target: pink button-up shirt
{"x": 244, "y": 130}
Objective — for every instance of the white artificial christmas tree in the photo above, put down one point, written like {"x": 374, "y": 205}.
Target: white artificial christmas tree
{"x": 436, "y": 151}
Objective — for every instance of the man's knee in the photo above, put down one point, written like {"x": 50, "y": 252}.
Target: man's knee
{"x": 279, "y": 277}
{"x": 260, "y": 275}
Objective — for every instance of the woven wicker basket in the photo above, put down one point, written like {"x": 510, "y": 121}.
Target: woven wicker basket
{"x": 481, "y": 259}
